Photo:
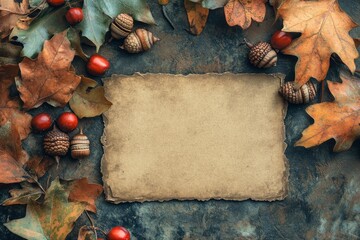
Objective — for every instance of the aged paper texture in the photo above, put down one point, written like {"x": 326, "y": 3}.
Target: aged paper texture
{"x": 212, "y": 136}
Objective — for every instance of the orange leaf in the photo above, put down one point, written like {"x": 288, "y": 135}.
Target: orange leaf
{"x": 197, "y": 16}
{"x": 50, "y": 77}
{"x": 324, "y": 29}
{"x": 240, "y": 12}
{"x": 83, "y": 191}
{"x": 339, "y": 119}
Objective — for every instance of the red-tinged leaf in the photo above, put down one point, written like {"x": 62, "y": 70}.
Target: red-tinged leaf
{"x": 54, "y": 219}
{"x": 83, "y": 191}
{"x": 28, "y": 193}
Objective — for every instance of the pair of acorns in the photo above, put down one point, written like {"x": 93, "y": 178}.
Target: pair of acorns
{"x": 57, "y": 142}
{"x": 138, "y": 41}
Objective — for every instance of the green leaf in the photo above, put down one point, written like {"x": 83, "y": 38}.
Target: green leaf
{"x": 50, "y": 21}
{"x": 54, "y": 219}
{"x": 89, "y": 99}
{"x": 211, "y": 4}
{"x": 74, "y": 38}
{"x": 99, "y": 14}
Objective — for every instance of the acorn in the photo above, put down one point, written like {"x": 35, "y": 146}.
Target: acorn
{"x": 122, "y": 26}
{"x": 80, "y": 146}
{"x": 305, "y": 94}
{"x": 56, "y": 143}
{"x": 262, "y": 55}
{"x": 139, "y": 41}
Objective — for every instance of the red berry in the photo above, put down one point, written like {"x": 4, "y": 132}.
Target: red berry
{"x": 41, "y": 122}
{"x": 55, "y": 3}
{"x": 281, "y": 40}
{"x": 74, "y": 15}
{"x": 67, "y": 121}
{"x": 97, "y": 65}
{"x": 118, "y": 233}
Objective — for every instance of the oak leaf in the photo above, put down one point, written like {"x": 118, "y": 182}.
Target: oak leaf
{"x": 14, "y": 127}
{"x": 25, "y": 195}
{"x": 83, "y": 191}
{"x": 339, "y": 120}
{"x": 37, "y": 166}
{"x": 89, "y": 99}
{"x": 324, "y": 29}
{"x": 241, "y": 12}
{"x": 52, "y": 219}
{"x": 49, "y": 78}
{"x": 197, "y": 16}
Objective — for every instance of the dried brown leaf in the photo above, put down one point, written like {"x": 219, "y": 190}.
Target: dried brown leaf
{"x": 49, "y": 78}
{"x": 89, "y": 99}
{"x": 25, "y": 195}
{"x": 197, "y": 16}
{"x": 10, "y": 12}
{"x": 324, "y": 29}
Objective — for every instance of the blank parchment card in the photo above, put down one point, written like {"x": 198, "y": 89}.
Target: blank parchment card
{"x": 211, "y": 136}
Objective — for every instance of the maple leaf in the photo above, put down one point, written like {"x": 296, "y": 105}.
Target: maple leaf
{"x": 240, "y": 12}
{"x": 14, "y": 127}
{"x": 53, "y": 219}
{"x": 197, "y": 16}
{"x": 49, "y": 78}
{"x": 10, "y": 13}
{"x": 83, "y": 191}
{"x": 89, "y": 99}
{"x": 324, "y": 28}
{"x": 25, "y": 195}
{"x": 339, "y": 119}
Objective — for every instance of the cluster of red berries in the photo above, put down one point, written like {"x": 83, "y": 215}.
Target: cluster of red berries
{"x": 67, "y": 122}
{"x": 97, "y": 65}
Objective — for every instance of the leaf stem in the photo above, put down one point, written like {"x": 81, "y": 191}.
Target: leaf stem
{"x": 92, "y": 223}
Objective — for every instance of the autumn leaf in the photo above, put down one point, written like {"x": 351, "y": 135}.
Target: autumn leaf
{"x": 99, "y": 14}
{"x": 339, "y": 120}
{"x": 14, "y": 127}
{"x": 83, "y": 191}
{"x": 89, "y": 99}
{"x": 324, "y": 28}
{"x": 53, "y": 219}
{"x": 197, "y": 16}
{"x": 37, "y": 166}
{"x": 240, "y": 12}
{"x": 50, "y": 21}
{"x": 49, "y": 78}
{"x": 25, "y": 195}
{"x": 85, "y": 233}
{"x": 276, "y": 5}
{"x": 9, "y": 53}
{"x": 10, "y": 13}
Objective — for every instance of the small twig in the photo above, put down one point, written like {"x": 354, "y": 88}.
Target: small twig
{"x": 92, "y": 223}
{"x": 166, "y": 16}
{"x": 102, "y": 231}
{"x": 34, "y": 179}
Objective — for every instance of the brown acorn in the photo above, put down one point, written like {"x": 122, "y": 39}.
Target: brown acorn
{"x": 305, "y": 94}
{"x": 139, "y": 41}
{"x": 80, "y": 146}
{"x": 56, "y": 143}
{"x": 122, "y": 26}
{"x": 262, "y": 55}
